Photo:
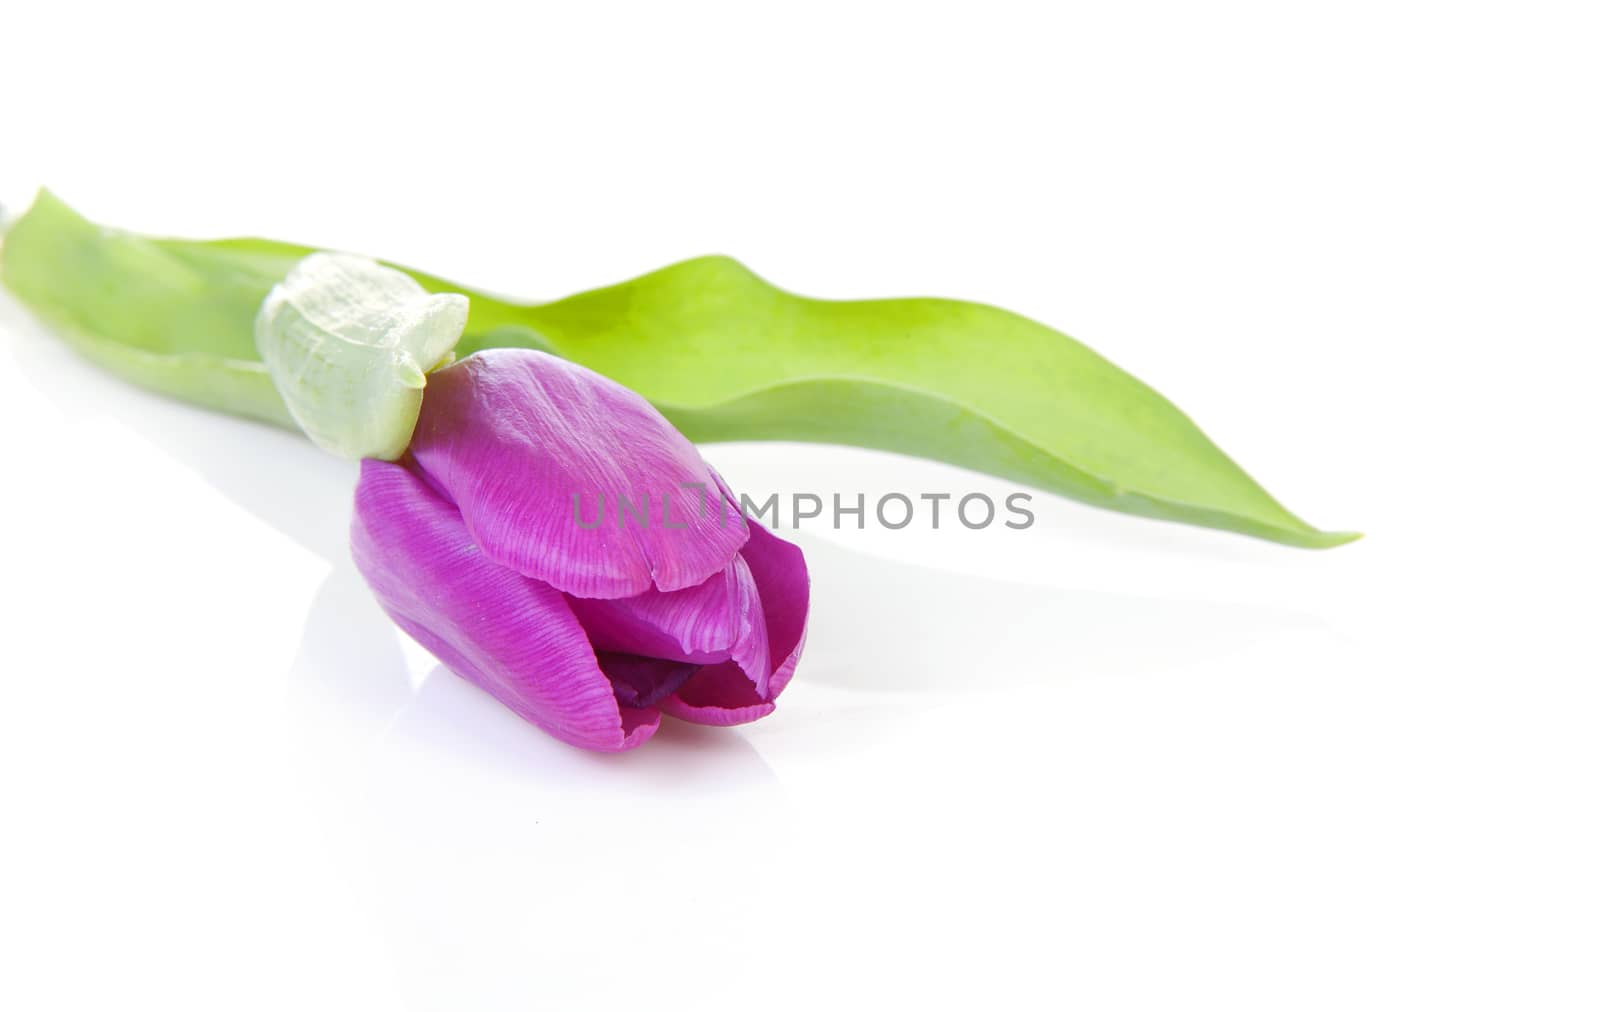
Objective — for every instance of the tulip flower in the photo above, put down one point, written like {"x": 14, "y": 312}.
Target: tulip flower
{"x": 468, "y": 524}
{"x": 591, "y": 626}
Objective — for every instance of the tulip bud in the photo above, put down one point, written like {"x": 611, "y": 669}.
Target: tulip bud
{"x": 348, "y": 343}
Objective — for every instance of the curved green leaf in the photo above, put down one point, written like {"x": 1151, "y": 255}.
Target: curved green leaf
{"x": 720, "y": 351}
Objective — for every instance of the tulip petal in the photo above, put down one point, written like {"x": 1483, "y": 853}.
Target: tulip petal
{"x": 724, "y": 694}
{"x": 643, "y": 681}
{"x": 696, "y": 624}
{"x": 720, "y": 619}
{"x": 512, "y": 636}
{"x": 519, "y": 441}
{"x": 784, "y": 585}
{"x": 721, "y": 695}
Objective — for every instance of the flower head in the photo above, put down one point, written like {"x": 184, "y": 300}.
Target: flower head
{"x": 590, "y": 628}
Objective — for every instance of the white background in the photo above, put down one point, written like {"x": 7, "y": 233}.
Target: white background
{"x": 1101, "y": 764}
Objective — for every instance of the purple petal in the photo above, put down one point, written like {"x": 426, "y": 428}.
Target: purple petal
{"x": 721, "y": 618}
{"x": 722, "y": 694}
{"x": 643, "y": 681}
{"x": 779, "y": 569}
{"x": 525, "y": 443}
{"x": 512, "y": 636}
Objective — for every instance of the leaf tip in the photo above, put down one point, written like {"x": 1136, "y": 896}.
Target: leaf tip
{"x": 1332, "y": 539}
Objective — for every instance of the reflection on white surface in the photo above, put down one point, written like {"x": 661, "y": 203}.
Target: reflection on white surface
{"x": 954, "y": 632}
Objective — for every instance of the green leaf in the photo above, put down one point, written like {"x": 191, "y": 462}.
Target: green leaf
{"x": 724, "y": 354}
{"x": 176, "y": 317}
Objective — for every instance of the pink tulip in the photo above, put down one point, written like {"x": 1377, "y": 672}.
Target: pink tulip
{"x": 474, "y": 544}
